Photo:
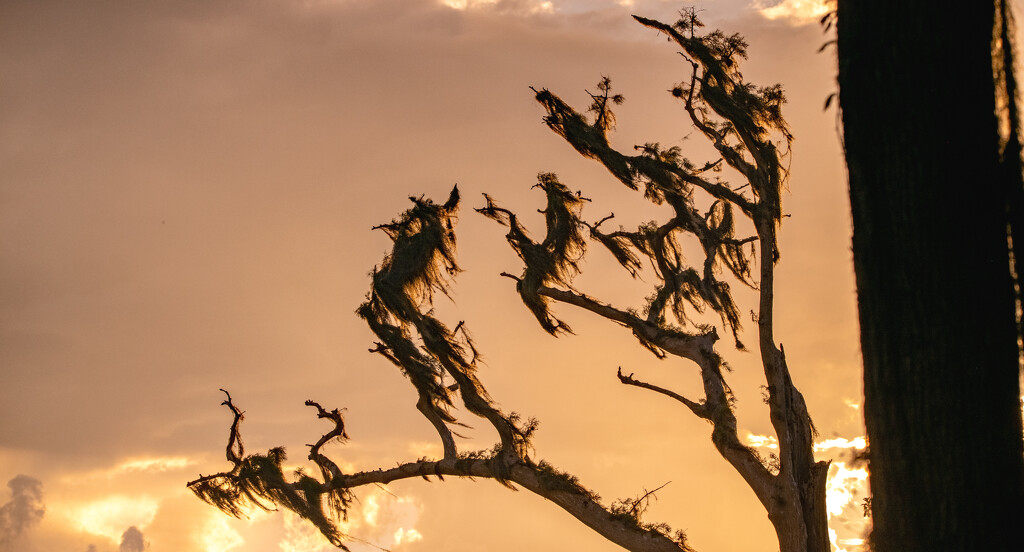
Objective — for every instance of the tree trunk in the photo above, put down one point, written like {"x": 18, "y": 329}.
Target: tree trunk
{"x": 930, "y": 198}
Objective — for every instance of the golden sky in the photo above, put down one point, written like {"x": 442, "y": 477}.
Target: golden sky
{"x": 186, "y": 195}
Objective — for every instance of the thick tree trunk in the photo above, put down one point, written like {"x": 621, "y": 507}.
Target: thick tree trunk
{"x": 936, "y": 299}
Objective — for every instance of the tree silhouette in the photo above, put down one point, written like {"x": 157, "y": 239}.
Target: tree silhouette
{"x": 930, "y": 121}
{"x": 744, "y": 124}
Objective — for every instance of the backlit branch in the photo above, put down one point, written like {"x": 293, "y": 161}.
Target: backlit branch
{"x": 695, "y": 407}
{"x": 562, "y": 489}
{"x": 258, "y": 481}
{"x": 741, "y": 121}
{"x": 553, "y": 260}
{"x": 328, "y": 468}
{"x": 421, "y": 262}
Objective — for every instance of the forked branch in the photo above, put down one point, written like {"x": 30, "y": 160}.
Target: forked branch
{"x": 422, "y": 262}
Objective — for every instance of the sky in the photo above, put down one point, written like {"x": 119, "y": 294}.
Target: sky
{"x": 187, "y": 190}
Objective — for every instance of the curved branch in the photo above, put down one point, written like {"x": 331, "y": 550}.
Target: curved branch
{"x": 717, "y": 406}
{"x": 697, "y": 408}
{"x": 592, "y": 142}
{"x": 328, "y": 468}
{"x": 258, "y": 480}
{"x": 542, "y": 480}
{"x": 235, "y": 450}
{"x": 691, "y": 346}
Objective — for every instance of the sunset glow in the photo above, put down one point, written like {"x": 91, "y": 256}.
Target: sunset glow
{"x": 218, "y": 536}
{"x": 467, "y": 4}
{"x": 300, "y": 536}
{"x": 189, "y": 196}
{"x": 154, "y": 464}
{"x": 845, "y": 489}
{"x": 109, "y": 517}
{"x": 841, "y": 443}
{"x": 801, "y": 11}
{"x": 406, "y": 536}
{"x": 843, "y": 486}
{"x": 762, "y": 441}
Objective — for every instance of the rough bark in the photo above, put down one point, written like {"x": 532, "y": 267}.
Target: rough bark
{"x": 930, "y": 192}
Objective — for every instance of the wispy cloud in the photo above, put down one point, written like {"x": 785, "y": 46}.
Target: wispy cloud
{"x": 518, "y": 7}
{"x": 158, "y": 464}
{"x": 770, "y": 442}
{"x": 467, "y": 4}
{"x": 138, "y": 465}
{"x": 858, "y": 443}
{"x": 762, "y": 441}
{"x": 795, "y": 11}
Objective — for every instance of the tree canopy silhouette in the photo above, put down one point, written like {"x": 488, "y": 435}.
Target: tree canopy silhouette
{"x": 735, "y": 226}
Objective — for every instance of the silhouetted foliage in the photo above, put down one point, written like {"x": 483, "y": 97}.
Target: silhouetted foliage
{"x": 257, "y": 481}
{"x": 743, "y": 123}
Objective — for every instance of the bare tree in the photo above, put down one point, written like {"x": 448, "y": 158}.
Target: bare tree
{"x": 744, "y": 124}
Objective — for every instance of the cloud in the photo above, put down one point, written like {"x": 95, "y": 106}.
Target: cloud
{"x": 859, "y": 443}
{"x": 765, "y": 441}
{"x": 383, "y": 521}
{"x": 301, "y": 536}
{"x": 160, "y": 464}
{"x": 218, "y": 536}
{"x": 407, "y": 535}
{"x": 24, "y": 510}
{"x": 769, "y": 441}
{"x": 844, "y": 493}
{"x": 132, "y": 540}
{"x": 798, "y": 12}
{"x": 845, "y": 489}
{"x": 466, "y": 4}
{"x": 106, "y": 516}
{"x": 505, "y": 7}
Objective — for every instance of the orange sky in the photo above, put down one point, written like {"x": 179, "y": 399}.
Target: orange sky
{"x": 187, "y": 190}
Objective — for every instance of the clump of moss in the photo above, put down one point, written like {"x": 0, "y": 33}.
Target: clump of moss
{"x": 553, "y": 479}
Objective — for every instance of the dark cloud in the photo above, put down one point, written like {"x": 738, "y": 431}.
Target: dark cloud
{"x": 24, "y": 510}
{"x": 132, "y": 540}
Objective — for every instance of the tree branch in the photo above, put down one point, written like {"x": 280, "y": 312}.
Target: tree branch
{"x": 257, "y": 479}
{"x": 328, "y": 468}
{"x": 717, "y": 407}
{"x": 234, "y": 440}
{"x": 542, "y": 480}
{"x": 695, "y": 407}
{"x": 678, "y": 343}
